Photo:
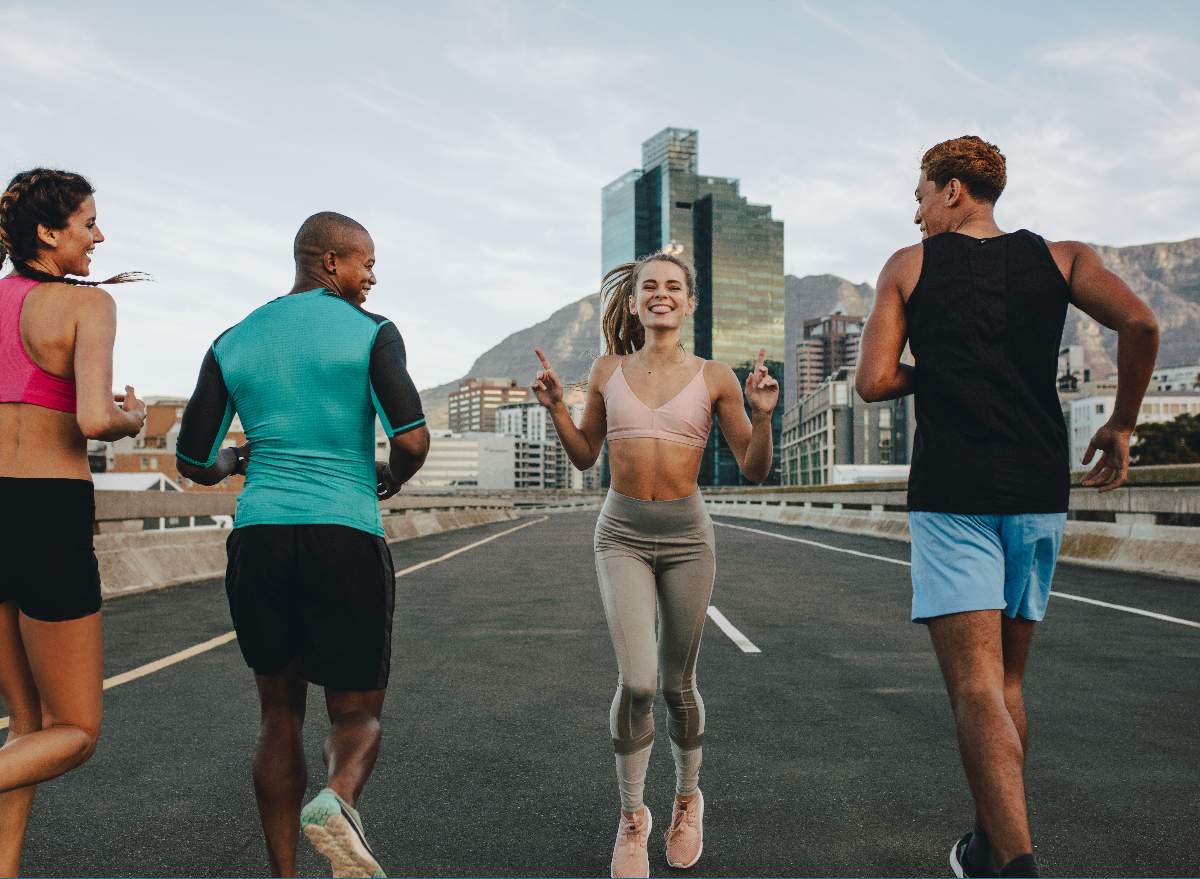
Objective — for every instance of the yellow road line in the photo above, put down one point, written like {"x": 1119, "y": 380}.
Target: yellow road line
{"x": 159, "y": 664}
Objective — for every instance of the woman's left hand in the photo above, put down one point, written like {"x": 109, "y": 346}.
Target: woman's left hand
{"x": 762, "y": 391}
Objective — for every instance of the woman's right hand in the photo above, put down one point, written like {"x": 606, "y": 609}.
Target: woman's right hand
{"x": 546, "y": 387}
{"x": 133, "y": 407}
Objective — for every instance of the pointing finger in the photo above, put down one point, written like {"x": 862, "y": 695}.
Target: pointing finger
{"x": 762, "y": 355}
{"x": 542, "y": 357}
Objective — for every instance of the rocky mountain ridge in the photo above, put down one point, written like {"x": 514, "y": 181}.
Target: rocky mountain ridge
{"x": 1166, "y": 276}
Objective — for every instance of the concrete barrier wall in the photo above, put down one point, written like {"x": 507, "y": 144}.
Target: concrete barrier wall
{"x": 140, "y": 560}
{"x": 1132, "y": 543}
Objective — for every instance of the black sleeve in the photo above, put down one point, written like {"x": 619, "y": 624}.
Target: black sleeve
{"x": 207, "y": 416}
{"x": 392, "y": 390}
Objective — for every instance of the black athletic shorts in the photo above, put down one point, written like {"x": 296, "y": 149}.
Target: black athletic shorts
{"x": 323, "y": 593}
{"x": 47, "y": 561}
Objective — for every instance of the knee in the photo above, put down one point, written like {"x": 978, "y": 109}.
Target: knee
{"x": 640, "y": 698}
{"x": 976, "y": 699}
{"x": 83, "y": 742}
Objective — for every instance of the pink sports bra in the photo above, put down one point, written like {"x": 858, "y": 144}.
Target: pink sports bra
{"x": 685, "y": 418}
{"x": 22, "y": 380}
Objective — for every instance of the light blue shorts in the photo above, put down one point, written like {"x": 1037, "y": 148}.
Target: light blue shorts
{"x": 962, "y": 562}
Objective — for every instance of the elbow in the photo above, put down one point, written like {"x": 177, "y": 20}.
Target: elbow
{"x": 95, "y": 428}
{"x": 870, "y": 391}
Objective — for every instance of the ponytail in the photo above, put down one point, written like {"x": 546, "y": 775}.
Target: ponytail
{"x": 44, "y": 197}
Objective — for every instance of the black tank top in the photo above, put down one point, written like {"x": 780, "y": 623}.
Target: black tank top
{"x": 985, "y": 323}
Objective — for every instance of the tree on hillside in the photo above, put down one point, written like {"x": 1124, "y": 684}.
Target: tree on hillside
{"x": 1168, "y": 442}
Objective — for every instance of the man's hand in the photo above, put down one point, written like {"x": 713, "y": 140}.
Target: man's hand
{"x": 243, "y": 459}
{"x": 387, "y": 485}
{"x": 1113, "y": 467}
{"x": 546, "y": 387}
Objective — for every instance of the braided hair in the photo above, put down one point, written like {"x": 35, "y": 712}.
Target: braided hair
{"x": 623, "y": 332}
{"x": 44, "y": 197}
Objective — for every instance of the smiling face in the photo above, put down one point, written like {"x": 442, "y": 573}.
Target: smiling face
{"x": 661, "y": 300}
{"x": 70, "y": 249}
{"x": 355, "y": 268}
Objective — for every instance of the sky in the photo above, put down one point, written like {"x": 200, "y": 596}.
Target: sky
{"x": 473, "y": 139}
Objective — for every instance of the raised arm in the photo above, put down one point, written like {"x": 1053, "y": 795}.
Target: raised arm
{"x": 880, "y": 375}
{"x": 583, "y": 443}
{"x": 97, "y": 413}
{"x": 1100, "y": 294}
{"x": 749, "y": 438}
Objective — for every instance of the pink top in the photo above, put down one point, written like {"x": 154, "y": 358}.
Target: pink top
{"x": 685, "y": 418}
{"x": 22, "y": 380}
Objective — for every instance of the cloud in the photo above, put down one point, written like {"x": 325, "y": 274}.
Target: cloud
{"x": 58, "y": 55}
{"x": 546, "y": 68}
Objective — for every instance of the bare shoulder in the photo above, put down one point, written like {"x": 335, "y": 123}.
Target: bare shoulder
{"x": 602, "y": 369}
{"x": 80, "y": 299}
{"x": 720, "y": 379}
{"x": 903, "y": 269}
{"x": 1069, "y": 255}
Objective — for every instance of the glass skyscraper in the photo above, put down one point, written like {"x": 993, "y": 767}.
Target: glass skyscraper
{"x": 735, "y": 247}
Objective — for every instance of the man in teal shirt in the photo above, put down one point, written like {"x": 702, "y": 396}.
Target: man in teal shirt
{"x": 310, "y": 580}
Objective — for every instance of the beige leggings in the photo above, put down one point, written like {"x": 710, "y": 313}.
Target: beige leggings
{"x": 655, "y": 561}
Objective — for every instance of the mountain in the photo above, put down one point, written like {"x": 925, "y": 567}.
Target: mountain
{"x": 816, "y": 296}
{"x": 1167, "y": 278}
{"x": 569, "y": 338}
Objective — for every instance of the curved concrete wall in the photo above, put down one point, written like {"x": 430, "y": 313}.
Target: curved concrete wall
{"x": 135, "y": 561}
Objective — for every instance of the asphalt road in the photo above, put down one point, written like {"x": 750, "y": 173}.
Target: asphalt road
{"x": 830, "y": 753}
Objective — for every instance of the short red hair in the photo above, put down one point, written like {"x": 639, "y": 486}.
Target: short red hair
{"x": 975, "y": 163}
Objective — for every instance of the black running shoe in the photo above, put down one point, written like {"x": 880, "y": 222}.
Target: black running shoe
{"x": 958, "y": 860}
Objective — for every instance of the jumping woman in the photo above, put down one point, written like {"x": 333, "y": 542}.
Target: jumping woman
{"x": 654, "y": 540}
{"x": 56, "y": 366}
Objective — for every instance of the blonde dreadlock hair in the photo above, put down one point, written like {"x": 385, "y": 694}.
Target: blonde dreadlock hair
{"x": 623, "y": 332}
{"x": 44, "y": 197}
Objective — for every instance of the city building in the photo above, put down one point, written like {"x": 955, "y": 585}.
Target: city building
{"x": 1089, "y": 413}
{"x": 1177, "y": 378}
{"x": 834, "y": 435}
{"x": 153, "y": 449}
{"x": 473, "y": 406}
{"x": 486, "y": 460}
{"x": 531, "y": 421}
{"x": 736, "y": 249}
{"x": 828, "y": 344}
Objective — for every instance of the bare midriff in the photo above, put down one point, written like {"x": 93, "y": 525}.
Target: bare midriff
{"x": 40, "y": 442}
{"x": 653, "y": 469}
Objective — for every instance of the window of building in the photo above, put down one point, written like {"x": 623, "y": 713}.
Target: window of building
{"x": 885, "y": 418}
{"x": 1099, "y": 408}
{"x": 154, "y": 463}
{"x": 145, "y": 463}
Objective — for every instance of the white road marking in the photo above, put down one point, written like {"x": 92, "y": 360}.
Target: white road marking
{"x": 865, "y": 555}
{"x": 746, "y": 645}
{"x": 1139, "y": 612}
{"x": 448, "y": 555}
{"x": 882, "y": 558}
{"x": 158, "y": 664}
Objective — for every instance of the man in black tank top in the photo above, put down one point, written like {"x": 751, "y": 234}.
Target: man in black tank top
{"x": 983, "y": 312}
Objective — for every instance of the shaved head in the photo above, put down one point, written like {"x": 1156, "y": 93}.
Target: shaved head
{"x": 325, "y": 232}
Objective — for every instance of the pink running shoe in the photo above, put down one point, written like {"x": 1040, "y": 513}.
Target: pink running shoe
{"x": 630, "y": 859}
{"x": 685, "y": 839}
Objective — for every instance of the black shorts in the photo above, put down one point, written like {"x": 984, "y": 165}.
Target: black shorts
{"x": 47, "y": 561}
{"x": 323, "y": 593}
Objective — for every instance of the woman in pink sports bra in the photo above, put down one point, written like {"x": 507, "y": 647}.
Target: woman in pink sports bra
{"x": 56, "y": 348}
{"x": 655, "y": 555}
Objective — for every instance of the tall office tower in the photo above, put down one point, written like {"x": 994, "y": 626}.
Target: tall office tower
{"x": 829, "y": 343}
{"x": 473, "y": 406}
{"x": 735, "y": 247}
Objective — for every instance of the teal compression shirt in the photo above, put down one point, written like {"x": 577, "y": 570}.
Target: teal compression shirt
{"x": 307, "y": 373}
